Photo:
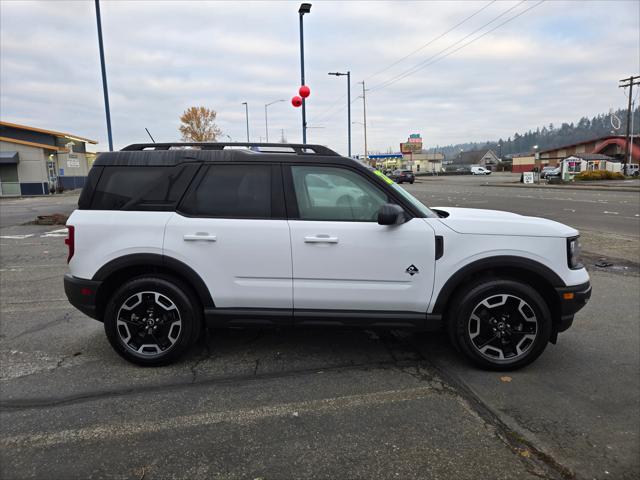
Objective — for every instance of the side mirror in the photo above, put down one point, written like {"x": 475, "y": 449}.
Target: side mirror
{"x": 390, "y": 214}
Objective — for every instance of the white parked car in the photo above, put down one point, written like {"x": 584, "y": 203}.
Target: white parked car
{"x": 480, "y": 171}
{"x": 632, "y": 169}
{"x": 167, "y": 241}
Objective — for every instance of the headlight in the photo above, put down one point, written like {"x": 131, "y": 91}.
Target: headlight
{"x": 573, "y": 253}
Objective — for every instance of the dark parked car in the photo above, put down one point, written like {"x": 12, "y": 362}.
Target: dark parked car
{"x": 400, "y": 176}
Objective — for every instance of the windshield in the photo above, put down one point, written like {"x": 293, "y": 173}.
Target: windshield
{"x": 407, "y": 196}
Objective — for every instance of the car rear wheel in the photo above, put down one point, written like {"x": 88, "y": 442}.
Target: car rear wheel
{"x": 500, "y": 324}
{"x": 152, "y": 321}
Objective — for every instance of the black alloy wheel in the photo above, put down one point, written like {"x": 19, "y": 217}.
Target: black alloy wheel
{"x": 152, "y": 321}
{"x": 500, "y": 324}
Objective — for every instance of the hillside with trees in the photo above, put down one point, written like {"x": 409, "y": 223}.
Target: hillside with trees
{"x": 551, "y": 136}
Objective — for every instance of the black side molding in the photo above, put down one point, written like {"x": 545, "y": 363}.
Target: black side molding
{"x": 279, "y": 317}
{"x": 162, "y": 261}
{"x": 439, "y": 247}
{"x": 521, "y": 264}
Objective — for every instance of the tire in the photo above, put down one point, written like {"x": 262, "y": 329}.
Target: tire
{"x": 481, "y": 323}
{"x": 153, "y": 320}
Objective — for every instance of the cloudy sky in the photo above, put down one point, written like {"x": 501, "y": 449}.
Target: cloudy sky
{"x": 556, "y": 62}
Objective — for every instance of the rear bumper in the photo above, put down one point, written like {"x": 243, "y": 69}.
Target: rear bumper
{"x": 572, "y": 299}
{"x": 82, "y": 294}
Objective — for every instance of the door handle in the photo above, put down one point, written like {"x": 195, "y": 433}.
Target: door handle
{"x": 200, "y": 236}
{"x": 320, "y": 239}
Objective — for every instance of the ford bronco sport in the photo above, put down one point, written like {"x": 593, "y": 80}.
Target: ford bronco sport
{"x": 170, "y": 238}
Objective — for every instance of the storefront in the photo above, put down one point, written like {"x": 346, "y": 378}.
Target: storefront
{"x": 34, "y": 161}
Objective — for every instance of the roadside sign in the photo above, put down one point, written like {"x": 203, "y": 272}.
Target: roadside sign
{"x": 528, "y": 177}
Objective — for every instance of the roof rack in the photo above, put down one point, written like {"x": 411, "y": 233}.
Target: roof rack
{"x": 297, "y": 148}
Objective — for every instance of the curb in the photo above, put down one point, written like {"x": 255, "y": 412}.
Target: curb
{"x": 565, "y": 187}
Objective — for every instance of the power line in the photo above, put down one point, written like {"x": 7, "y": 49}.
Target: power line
{"x": 331, "y": 107}
{"x": 322, "y": 116}
{"x": 433, "y": 58}
{"x": 431, "y": 41}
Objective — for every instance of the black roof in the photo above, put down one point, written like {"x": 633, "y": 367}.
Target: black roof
{"x": 168, "y": 154}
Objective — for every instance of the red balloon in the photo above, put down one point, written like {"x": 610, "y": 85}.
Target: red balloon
{"x": 304, "y": 91}
{"x": 296, "y": 101}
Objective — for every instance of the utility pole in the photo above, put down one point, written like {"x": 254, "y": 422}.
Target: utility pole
{"x": 633, "y": 106}
{"x": 105, "y": 88}
{"x": 624, "y": 83}
{"x": 348, "y": 75}
{"x": 246, "y": 113}
{"x": 364, "y": 106}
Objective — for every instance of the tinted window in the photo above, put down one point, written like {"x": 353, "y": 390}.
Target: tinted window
{"x": 231, "y": 191}
{"x": 330, "y": 193}
{"x": 142, "y": 188}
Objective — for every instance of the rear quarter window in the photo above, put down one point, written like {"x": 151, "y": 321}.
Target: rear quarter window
{"x": 142, "y": 188}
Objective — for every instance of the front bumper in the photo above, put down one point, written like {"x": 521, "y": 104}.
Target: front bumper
{"x": 572, "y": 299}
{"x": 82, "y": 294}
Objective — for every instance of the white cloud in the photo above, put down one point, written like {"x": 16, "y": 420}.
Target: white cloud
{"x": 553, "y": 64}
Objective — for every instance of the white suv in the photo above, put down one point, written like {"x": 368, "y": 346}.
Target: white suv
{"x": 168, "y": 239}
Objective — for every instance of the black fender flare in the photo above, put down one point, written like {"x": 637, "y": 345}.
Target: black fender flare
{"x": 161, "y": 261}
{"x": 502, "y": 261}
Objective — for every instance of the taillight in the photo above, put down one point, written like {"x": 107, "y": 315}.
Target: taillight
{"x": 70, "y": 241}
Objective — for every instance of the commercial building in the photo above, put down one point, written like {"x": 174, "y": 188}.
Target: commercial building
{"x": 423, "y": 162}
{"x": 386, "y": 161}
{"x": 482, "y": 158}
{"x": 613, "y": 146}
{"x": 527, "y": 162}
{"x": 35, "y": 161}
{"x": 582, "y": 162}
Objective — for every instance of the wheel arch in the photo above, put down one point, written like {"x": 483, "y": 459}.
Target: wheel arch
{"x": 539, "y": 276}
{"x": 120, "y": 269}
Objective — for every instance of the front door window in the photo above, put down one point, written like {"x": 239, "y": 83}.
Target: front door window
{"x": 335, "y": 194}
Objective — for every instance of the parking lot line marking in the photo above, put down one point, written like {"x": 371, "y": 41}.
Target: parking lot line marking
{"x": 44, "y": 300}
{"x": 61, "y": 232}
{"x": 17, "y": 237}
{"x": 611, "y": 213}
{"x": 243, "y": 416}
{"x": 41, "y": 265}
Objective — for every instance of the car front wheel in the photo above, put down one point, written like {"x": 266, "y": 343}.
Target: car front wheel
{"x": 500, "y": 324}
{"x": 152, "y": 321}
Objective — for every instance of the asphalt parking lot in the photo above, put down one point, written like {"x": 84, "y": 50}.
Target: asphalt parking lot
{"x": 322, "y": 403}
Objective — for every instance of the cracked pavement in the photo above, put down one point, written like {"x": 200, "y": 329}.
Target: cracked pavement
{"x": 307, "y": 403}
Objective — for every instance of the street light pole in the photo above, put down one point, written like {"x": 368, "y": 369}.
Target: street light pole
{"x": 105, "y": 89}
{"x": 348, "y": 75}
{"x": 246, "y": 112}
{"x": 304, "y": 8}
{"x": 266, "y": 120}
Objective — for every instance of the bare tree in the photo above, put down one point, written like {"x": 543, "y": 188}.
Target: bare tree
{"x": 198, "y": 125}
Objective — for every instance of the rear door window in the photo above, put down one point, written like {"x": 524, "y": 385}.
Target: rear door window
{"x": 243, "y": 191}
